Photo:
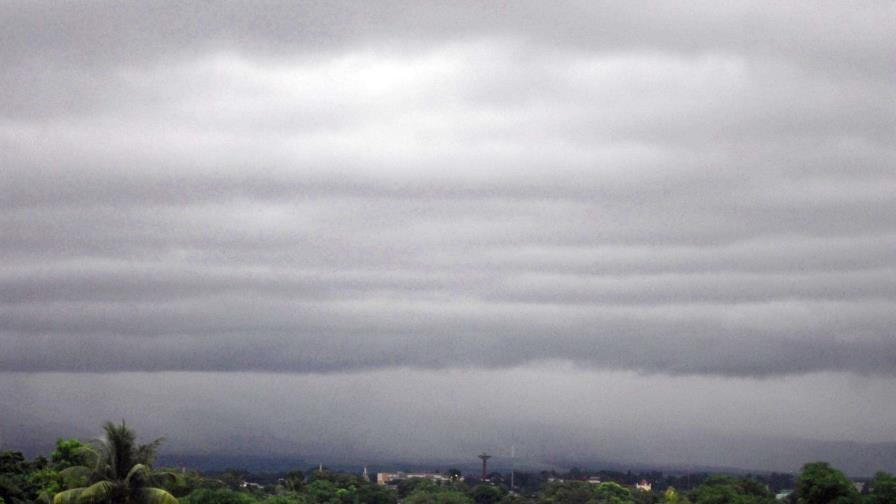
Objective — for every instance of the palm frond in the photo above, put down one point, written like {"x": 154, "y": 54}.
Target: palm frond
{"x": 138, "y": 476}
{"x": 121, "y": 442}
{"x": 76, "y": 476}
{"x": 146, "y": 453}
{"x": 103, "y": 456}
{"x": 97, "y": 492}
{"x": 72, "y": 496}
{"x": 163, "y": 478}
{"x": 89, "y": 454}
{"x": 43, "y": 498}
{"x": 154, "y": 496}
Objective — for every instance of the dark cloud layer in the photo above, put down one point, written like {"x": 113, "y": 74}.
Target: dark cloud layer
{"x": 682, "y": 189}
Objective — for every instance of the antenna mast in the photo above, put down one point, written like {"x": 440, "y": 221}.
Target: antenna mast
{"x": 512, "y": 454}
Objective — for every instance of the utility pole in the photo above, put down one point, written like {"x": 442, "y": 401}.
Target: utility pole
{"x": 512, "y": 454}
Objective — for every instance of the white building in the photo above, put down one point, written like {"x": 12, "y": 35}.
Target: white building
{"x": 384, "y": 478}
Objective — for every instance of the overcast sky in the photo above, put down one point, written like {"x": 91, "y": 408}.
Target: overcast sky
{"x": 309, "y": 220}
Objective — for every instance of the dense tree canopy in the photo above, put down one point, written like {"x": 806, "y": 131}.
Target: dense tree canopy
{"x": 728, "y": 490}
{"x": 118, "y": 470}
{"x": 819, "y": 483}
{"x": 883, "y": 489}
{"x": 438, "y": 497}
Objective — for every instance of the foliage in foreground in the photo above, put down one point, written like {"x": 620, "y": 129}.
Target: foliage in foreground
{"x": 118, "y": 470}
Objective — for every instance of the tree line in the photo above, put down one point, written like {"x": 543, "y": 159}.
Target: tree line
{"x": 116, "y": 469}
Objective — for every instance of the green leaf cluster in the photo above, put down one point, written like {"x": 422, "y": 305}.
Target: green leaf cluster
{"x": 117, "y": 470}
{"x": 728, "y": 490}
{"x": 581, "y": 492}
{"x": 883, "y": 489}
{"x": 819, "y": 483}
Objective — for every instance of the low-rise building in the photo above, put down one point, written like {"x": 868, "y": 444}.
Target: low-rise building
{"x": 251, "y": 486}
{"x": 783, "y": 494}
{"x": 392, "y": 478}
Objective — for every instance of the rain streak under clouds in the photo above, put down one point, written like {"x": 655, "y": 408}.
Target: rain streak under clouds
{"x": 641, "y": 194}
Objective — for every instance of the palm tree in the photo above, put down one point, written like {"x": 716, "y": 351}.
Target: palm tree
{"x": 121, "y": 472}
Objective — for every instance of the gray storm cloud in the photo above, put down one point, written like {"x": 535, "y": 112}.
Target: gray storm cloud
{"x": 679, "y": 189}
{"x": 554, "y": 415}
